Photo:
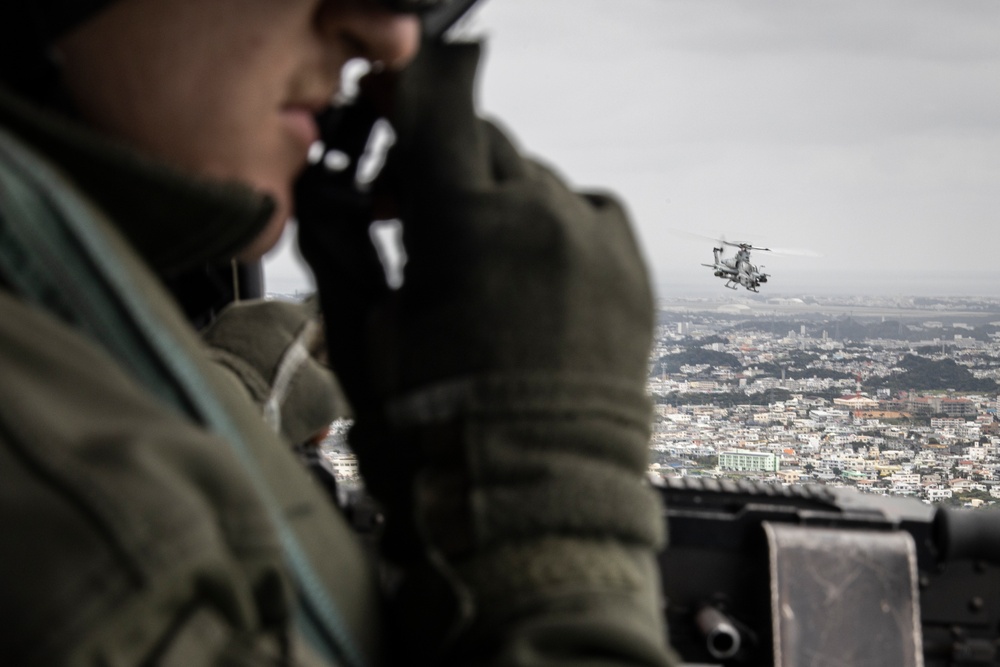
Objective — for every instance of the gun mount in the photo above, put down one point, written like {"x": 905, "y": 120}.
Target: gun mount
{"x": 759, "y": 574}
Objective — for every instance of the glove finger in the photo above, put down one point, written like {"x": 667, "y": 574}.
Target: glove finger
{"x": 439, "y": 139}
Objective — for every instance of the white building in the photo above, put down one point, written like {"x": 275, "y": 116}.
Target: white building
{"x": 742, "y": 460}
{"x": 937, "y": 493}
{"x": 344, "y": 466}
{"x": 976, "y": 453}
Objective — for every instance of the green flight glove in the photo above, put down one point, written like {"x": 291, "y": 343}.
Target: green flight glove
{"x": 275, "y": 350}
{"x": 502, "y": 419}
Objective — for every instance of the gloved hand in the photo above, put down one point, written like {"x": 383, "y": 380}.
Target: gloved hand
{"x": 500, "y": 396}
{"x": 275, "y": 349}
{"x": 507, "y": 269}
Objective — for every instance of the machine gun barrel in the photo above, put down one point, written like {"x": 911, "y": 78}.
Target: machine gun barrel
{"x": 722, "y": 639}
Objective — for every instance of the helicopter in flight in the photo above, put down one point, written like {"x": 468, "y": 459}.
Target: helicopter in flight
{"x": 738, "y": 270}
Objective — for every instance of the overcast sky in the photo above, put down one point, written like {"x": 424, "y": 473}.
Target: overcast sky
{"x": 866, "y": 131}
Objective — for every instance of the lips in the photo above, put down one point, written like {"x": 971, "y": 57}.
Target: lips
{"x": 300, "y": 123}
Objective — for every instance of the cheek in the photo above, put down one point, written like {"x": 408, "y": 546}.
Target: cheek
{"x": 246, "y": 141}
{"x": 217, "y": 114}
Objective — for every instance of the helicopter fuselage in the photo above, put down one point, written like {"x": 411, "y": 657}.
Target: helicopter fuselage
{"x": 738, "y": 270}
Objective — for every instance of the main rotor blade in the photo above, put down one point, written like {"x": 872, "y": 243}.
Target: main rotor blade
{"x": 796, "y": 252}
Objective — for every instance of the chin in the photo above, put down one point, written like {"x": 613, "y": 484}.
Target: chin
{"x": 268, "y": 237}
{"x": 271, "y": 234}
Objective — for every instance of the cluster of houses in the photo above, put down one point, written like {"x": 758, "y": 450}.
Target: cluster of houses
{"x": 852, "y": 441}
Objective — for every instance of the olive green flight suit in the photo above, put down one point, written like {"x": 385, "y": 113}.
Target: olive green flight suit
{"x": 134, "y": 529}
{"x": 148, "y": 514}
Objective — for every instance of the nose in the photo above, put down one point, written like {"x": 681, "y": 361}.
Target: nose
{"x": 374, "y": 33}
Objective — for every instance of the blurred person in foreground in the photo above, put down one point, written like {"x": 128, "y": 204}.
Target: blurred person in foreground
{"x": 151, "y": 513}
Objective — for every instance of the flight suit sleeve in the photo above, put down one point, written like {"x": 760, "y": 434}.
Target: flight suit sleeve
{"x": 131, "y": 535}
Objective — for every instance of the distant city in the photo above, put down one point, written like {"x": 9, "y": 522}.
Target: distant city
{"x": 892, "y": 395}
